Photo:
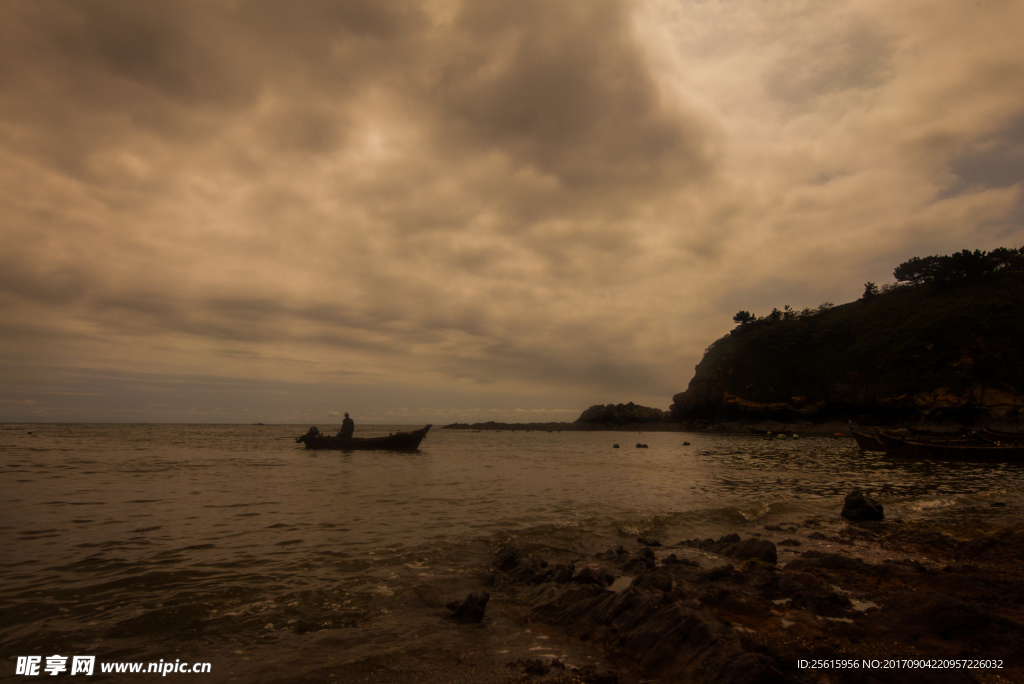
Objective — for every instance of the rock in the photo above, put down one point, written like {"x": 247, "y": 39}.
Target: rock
{"x": 666, "y": 639}
{"x": 528, "y": 569}
{"x": 641, "y": 446}
{"x": 508, "y": 558}
{"x": 859, "y": 507}
{"x": 613, "y": 554}
{"x": 536, "y": 666}
{"x": 759, "y": 549}
{"x": 589, "y": 674}
{"x": 638, "y": 565}
{"x": 648, "y": 542}
{"x": 471, "y": 610}
{"x": 653, "y": 580}
{"x": 559, "y": 573}
{"x": 672, "y": 559}
{"x": 589, "y": 575}
{"x": 644, "y": 560}
{"x": 623, "y": 414}
{"x": 716, "y": 574}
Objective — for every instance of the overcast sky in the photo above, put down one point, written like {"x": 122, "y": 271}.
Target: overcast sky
{"x": 485, "y": 210}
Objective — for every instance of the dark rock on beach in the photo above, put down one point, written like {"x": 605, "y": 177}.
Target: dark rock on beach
{"x": 643, "y": 560}
{"x": 588, "y": 575}
{"x": 859, "y": 507}
{"x": 612, "y": 554}
{"x": 732, "y": 546}
{"x": 664, "y": 637}
{"x": 471, "y": 610}
{"x": 759, "y": 549}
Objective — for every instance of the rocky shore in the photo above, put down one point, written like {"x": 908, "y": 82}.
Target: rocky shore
{"x": 770, "y": 605}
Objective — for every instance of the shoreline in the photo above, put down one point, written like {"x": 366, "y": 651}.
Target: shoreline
{"x": 822, "y": 589}
{"x": 729, "y": 429}
{"x": 828, "y": 429}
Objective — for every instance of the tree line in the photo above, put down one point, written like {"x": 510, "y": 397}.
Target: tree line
{"x": 959, "y": 265}
{"x": 787, "y": 313}
{"x": 941, "y": 269}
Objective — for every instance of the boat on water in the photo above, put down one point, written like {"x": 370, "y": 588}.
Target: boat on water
{"x": 867, "y": 441}
{"x": 1004, "y": 438}
{"x": 398, "y": 441}
{"x": 963, "y": 448}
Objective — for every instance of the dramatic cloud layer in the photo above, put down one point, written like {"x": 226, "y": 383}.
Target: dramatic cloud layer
{"x": 468, "y": 210}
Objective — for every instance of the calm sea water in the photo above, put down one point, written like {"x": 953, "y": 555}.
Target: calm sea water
{"x": 214, "y": 543}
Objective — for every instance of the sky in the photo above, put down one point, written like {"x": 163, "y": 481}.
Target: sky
{"x": 442, "y": 211}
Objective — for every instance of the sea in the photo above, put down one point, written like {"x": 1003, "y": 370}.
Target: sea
{"x": 233, "y": 547}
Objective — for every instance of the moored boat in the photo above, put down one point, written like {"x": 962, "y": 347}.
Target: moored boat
{"x": 1003, "y": 438}
{"x": 964, "y": 449}
{"x": 398, "y": 441}
{"x": 867, "y": 441}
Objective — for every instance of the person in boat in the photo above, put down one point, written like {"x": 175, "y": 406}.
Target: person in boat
{"x": 348, "y": 426}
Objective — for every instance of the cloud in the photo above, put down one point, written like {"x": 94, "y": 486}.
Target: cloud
{"x": 457, "y": 205}
{"x": 564, "y": 89}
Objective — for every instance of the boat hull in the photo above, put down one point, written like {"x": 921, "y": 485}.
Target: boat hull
{"x": 960, "y": 450}
{"x": 401, "y": 441}
{"x": 867, "y": 442}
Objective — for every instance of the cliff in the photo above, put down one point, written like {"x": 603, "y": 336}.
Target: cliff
{"x": 934, "y": 351}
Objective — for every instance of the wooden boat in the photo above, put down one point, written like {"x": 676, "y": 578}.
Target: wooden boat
{"x": 965, "y": 449}
{"x": 867, "y": 441}
{"x": 1003, "y": 438}
{"x": 399, "y": 441}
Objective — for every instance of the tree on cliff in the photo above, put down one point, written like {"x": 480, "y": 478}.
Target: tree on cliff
{"x": 743, "y": 317}
{"x": 962, "y": 265}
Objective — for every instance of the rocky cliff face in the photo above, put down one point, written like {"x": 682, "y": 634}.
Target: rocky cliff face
{"x": 952, "y": 353}
{"x": 622, "y": 414}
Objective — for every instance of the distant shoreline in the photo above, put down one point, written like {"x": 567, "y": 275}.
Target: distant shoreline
{"x": 570, "y": 427}
{"x": 824, "y": 429}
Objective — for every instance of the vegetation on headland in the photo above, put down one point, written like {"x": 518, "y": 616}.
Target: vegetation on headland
{"x": 942, "y": 343}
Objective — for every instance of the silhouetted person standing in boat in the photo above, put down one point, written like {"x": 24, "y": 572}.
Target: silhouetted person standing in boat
{"x": 348, "y": 426}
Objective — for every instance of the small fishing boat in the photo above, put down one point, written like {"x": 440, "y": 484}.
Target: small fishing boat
{"x": 867, "y": 441}
{"x": 1004, "y": 438}
{"x": 398, "y": 441}
{"x": 964, "y": 449}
